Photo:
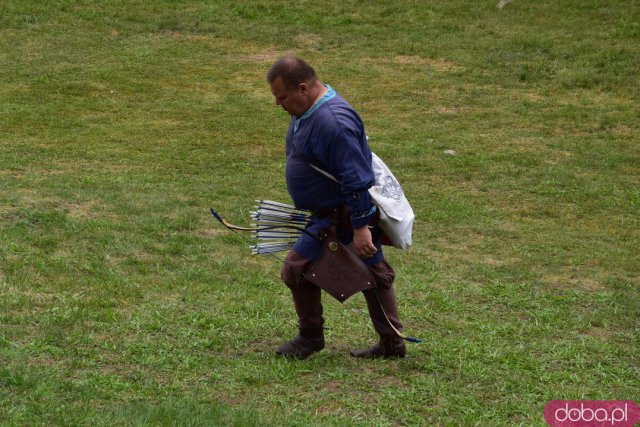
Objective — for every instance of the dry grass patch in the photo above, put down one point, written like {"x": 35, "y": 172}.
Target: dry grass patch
{"x": 308, "y": 41}
{"x": 439, "y": 65}
{"x": 84, "y": 210}
{"x": 599, "y": 333}
{"x": 470, "y": 252}
{"x": 571, "y": 279}
{"x": 626, "y": 131}
{"x": 261, "y": 55}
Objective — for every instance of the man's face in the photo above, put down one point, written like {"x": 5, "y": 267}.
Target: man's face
{"x": 294, "y": 100}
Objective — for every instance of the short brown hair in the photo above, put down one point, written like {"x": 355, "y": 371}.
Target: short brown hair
{"x": 293, "y": 71}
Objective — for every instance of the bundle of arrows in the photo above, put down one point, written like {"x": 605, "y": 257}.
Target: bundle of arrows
{"x": 277, "y": 226}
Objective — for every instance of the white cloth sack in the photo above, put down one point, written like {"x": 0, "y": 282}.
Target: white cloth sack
{"x": 396, "y": 215}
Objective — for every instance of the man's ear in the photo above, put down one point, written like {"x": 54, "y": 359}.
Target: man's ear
{"x": 303, "y": 88}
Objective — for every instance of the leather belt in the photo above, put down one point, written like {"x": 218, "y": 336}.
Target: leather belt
{"x": 325, "y": 212}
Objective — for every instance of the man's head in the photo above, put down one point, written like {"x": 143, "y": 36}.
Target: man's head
{"x": 294, "y": 84}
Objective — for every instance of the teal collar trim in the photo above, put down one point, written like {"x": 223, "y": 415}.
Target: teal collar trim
{"x": 327, "y": 96}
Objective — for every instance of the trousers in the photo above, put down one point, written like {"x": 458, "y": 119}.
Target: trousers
{"x": 308, "y": 302}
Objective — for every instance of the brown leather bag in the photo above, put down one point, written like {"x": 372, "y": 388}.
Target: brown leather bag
{"x": 338, "y": 270}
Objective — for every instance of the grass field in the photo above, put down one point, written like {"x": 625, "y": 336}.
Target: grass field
{"x": 123, "y": 302}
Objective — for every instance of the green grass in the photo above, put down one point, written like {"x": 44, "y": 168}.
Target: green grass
{"x": 123, "y": 302}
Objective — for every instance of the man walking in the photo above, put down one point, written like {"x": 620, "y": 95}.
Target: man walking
{"x": 326, "y": 132}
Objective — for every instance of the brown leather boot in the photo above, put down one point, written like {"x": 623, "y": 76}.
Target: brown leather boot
{"x": 307, "y": 342}
{"x": 387, "y": 347}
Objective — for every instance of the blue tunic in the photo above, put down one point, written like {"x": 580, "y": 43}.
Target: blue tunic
{"x": 331, "y": 136}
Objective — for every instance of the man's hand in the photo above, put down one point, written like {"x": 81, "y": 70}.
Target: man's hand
{"x": 363, "y": 243}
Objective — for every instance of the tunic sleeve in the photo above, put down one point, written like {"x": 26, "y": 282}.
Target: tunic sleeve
{"x": 351, "y": 158}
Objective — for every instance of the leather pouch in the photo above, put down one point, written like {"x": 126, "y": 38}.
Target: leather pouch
{"x": 338, "y": 270}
